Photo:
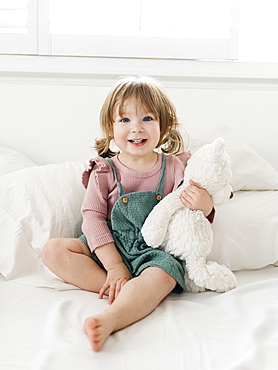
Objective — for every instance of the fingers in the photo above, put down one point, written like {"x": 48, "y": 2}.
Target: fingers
{"x": 186, "y": 199}
{"x": 193, "y": 183}
{"x": 116, "y": 277}
{"x": 107, "y": 290}
{"x": 110, "y": 290}
{"x": 188, "y": 196}
{"x": 197, "y": 198}
{"x": 193, "y": 196}
{"x": 114, "y": 290}
{"x": 111, "y": 296}
{"x": 102, "y": 291}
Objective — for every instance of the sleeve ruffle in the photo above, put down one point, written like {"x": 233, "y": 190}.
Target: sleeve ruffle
{"x": 184, "y": 157}
{"x": 98, "y": 164}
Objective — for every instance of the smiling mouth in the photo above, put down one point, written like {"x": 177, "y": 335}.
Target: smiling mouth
{"x": 138, "y": 141}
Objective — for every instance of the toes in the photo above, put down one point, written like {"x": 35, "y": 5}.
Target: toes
{"x": 94, "y": 331}
{"x": 91, "y": 323}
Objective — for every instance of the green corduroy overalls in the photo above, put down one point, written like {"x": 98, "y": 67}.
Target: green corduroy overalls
{"x": 127, "y": 218}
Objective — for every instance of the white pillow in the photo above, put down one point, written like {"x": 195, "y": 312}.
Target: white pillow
{"x": 11, "y": 160}
{"x": 37, "y": 204}
{"x": 246, "y": 230}
{"x": 44, "y": 201}
{"x": 249, "y": 170}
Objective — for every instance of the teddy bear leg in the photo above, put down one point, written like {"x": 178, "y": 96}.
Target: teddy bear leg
{"x": 197, "y": 272}
{"x": 221, "y": 277}
{"x": 190, "y": 286}
{"x": 211, "y": 276}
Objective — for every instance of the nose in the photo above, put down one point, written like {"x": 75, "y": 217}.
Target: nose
{"x": 137, "y": 127}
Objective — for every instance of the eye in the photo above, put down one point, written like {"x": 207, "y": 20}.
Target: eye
{"x": 124, "y": 120}
{"x": 148, "y": 118}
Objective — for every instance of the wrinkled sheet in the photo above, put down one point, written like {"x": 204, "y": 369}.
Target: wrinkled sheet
{"x": 42, "y": 329}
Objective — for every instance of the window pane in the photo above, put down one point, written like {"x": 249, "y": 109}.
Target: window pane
{"x": 145, "y": 18}
{"x": 13, "y": 4}
{"x": 196, "y": 29}
{"x": 18, "y": 26}
{"x": 13, "y": 16}
{"x": 187, "y": 18}
{"x": 13, "y": 21}
{"x": 87, "y": 17}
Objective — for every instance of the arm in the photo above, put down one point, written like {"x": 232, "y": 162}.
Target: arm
{"x": 94, "y": 226}
{"x": 117, "y": 272}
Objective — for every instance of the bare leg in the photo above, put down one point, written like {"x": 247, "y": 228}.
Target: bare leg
{"x": 138, "y": 298}
{"x": 71, "y": 260}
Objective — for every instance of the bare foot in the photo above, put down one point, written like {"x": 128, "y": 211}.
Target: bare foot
{"x": 98, "y": 329}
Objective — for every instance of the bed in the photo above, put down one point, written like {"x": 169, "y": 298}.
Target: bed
{"x": 41, "y": 317}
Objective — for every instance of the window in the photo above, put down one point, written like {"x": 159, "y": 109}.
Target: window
{"x": 18, "y": 27}
{"x": 178, "y": 29}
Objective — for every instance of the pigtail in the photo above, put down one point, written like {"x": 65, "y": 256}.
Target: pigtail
{"x": 173, "y": 143}
{"x": 102, "y": 147}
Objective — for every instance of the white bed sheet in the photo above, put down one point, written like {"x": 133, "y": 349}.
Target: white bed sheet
{"x": 41, "y": 329}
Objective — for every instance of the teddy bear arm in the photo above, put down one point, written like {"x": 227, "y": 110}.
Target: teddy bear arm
{"x": 156, "y": 224}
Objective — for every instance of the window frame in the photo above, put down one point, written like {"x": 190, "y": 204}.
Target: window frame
{"x": 39, "y": 41}
{"x": 131, "y": 47}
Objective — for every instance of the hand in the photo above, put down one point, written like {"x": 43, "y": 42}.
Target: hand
{"x": 116, "y": 278}
{"x": 196, "y": 198}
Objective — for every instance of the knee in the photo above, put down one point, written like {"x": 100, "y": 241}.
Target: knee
{"x": 161, "y": 278}
{"x": 51, "y": 252}
{"x": 168, "y": 281}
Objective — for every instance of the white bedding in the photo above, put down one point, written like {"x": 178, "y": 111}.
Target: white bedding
{"x": 41, "y": 329}
{"x": 41, "y": 317}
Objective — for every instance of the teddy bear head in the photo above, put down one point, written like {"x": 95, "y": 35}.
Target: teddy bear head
{"x": 210, "y": 167}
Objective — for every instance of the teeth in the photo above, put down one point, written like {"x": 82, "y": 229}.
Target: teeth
{"x": 138, "y": 141}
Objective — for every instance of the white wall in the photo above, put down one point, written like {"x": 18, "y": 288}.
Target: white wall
{"x": 60, "y": 118}
{"x": 53, "y": 119}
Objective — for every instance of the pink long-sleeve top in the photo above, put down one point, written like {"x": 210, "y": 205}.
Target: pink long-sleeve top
{"x": 102, "y": 191}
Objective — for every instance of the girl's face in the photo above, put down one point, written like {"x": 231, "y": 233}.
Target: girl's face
{"x": 136, "y": 131}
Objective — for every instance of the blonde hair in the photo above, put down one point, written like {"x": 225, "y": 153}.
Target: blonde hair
{"x": 147, "y": 91}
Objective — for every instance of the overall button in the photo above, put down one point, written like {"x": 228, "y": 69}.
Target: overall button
{"x": 125, "y": 199}
{"x": 159, "y": 197}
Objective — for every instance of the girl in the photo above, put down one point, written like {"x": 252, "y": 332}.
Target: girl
{"x": 111, "y": 257}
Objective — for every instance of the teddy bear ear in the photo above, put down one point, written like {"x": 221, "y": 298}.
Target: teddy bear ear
{"x": 219, "y": 143}
{"x": 220, "y": 140}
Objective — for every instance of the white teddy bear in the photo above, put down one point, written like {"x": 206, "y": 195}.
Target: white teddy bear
{"x": 187, "y": 234}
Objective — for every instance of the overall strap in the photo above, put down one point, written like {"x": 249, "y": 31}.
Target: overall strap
{"x": 120, "y": 188}
{"x": 160, "y": 188}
